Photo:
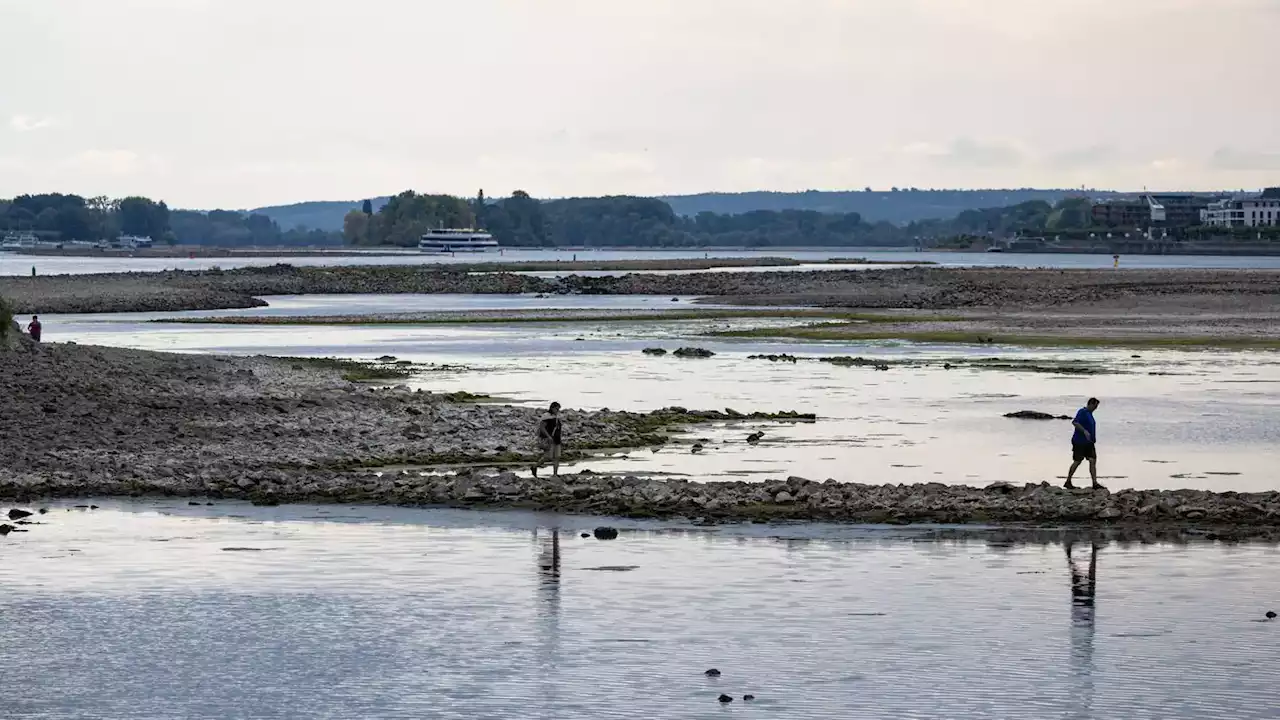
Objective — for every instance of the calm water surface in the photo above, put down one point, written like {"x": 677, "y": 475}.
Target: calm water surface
{"x": 169, "y": 611}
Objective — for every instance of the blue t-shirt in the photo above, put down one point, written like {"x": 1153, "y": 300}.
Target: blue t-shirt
{"x": 1085, "y": 418}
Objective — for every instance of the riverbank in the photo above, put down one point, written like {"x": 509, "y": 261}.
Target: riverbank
{"x": 919, "y": 288}
{"x": 83, "y": 421}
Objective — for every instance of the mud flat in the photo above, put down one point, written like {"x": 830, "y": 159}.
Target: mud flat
{"x": 79, "y": 420}
{"x": 83, "y": 421}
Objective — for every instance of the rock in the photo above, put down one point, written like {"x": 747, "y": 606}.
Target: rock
{"x": 697, "y": 448}
{"x": 586, "y": 535}
{"x": 6, "y": 529}
{"x": 1190, "y": 512}
{"x": 1271, "y": 614}
{"x": 606, "y": 533}
{"x": 725, "y": 698}
{"x": 16, "y": 514}
{"x": 754, "y": 437}
{"x": 1000, "y": 487}
{"x": 712, "y": 673}
{"x": 693, "y": 352}
{"x": 193, "y": 502}
{"x": 387, "y": 358}
{"x": 1035, "y": 415}
{"x": 748, "y": 698}
{"x": 44, "y": 510}
{"x": 783, "y": 497}
{"x": 675, "y": 299}
{"x": 654, "y": 351}
{"x": 1108, "y": 513}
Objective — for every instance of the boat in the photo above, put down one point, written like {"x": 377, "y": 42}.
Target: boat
{"x": 457, "y": 240}
{"x": 19, "y": 241}
{"x": 131, "y": 242}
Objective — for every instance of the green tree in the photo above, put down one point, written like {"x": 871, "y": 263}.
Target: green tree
{"x": 355, "y": 228}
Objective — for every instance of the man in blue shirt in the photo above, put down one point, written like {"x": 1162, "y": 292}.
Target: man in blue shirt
{"x": 1084, "y": 443}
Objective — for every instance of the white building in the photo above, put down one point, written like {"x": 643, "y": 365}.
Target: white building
{"x": 1245, "y": 211}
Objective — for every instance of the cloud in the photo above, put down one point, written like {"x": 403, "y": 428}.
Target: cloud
{"x": 971, "y": 153}
{"x": 1229, "y": 158}
{"x": 26, "y": 123}
{"x": 113, "y": 162}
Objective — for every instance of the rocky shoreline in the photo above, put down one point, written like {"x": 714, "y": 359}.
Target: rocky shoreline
{"x": 82, "y": 419}
{"x": 89, "y": 421}
{"x": 1226, "y": 516}
{"x": 920, "y": 288}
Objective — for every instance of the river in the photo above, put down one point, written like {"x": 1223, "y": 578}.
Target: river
{"x": 1169, "y": 419}
{"x": 145, "y": 610}
{"x": 14, "y": 264}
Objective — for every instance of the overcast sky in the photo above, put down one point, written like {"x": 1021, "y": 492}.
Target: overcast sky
{"x": 241, "y": 103}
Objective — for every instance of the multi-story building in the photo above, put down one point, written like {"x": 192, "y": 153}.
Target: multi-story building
{"x": 1244, "y": 211}
{"x": 1152, "y": 210}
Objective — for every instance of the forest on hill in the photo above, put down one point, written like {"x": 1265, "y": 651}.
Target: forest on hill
{"x": 626, "y": 221}
{"x": 898, "y": 205}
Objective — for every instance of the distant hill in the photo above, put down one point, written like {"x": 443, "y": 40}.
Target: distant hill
{"x": 316, "y": 215}
{"x": 899, "y": 207}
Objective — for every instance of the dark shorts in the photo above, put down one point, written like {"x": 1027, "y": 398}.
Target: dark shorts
{"x": 1083, "y": 451}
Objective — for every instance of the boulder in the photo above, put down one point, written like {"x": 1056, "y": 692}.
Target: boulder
{"x": 1035, "y": 415}
{"x": 654, "y": 351}
{"x": 16, "y": 514}
{"x": 606, "y": 533}
{"x": 693, "y": 352}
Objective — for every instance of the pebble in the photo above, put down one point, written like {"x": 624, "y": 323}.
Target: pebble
{"x": 748, "y": 698}
{"x": 712, "y": 673}
{"x": 725, "y": 698}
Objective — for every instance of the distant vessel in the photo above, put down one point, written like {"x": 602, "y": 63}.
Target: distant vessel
{"x": 19, "y": 241}
{"x": 131, "y": 242}
{"x": 457, "y": 240}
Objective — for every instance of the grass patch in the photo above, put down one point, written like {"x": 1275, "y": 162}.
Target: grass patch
{"x": 354, "y": 370}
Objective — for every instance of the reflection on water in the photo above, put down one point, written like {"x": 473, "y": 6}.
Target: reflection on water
{"x": 169, "y": 611}
{"x": 1084, "y": 591}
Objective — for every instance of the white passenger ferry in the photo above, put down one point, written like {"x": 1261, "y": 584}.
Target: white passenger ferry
{"x": 457, "y": 240}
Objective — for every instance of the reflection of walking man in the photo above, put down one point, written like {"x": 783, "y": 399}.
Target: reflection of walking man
{"x": 1084, "y": 443}
{"x": 1084, "y": 590}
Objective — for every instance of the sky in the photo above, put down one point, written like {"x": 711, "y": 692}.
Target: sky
{"x": 244, "y": 103}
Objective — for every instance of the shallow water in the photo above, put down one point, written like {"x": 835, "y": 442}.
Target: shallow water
{"x": 14, "y": 264}
{"x": 161, "y": 610}
{"x": 1202, "y": 420}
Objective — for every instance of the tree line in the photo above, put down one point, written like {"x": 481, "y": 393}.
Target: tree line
{"x": 625, "y": 221}
{"x": 71, "y": 218}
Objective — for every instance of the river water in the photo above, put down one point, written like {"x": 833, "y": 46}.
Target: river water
{"x": 162, "y": 610}
{"x": 167, "y": 610}
{"x": 15, "y": 264}
{"x": 1169, "y": 419}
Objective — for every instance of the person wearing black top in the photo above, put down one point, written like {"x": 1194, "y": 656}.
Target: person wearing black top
{"x": 549, "y": 439}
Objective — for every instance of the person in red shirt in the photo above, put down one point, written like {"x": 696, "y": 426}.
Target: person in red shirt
{"x": 34, "y": 328}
